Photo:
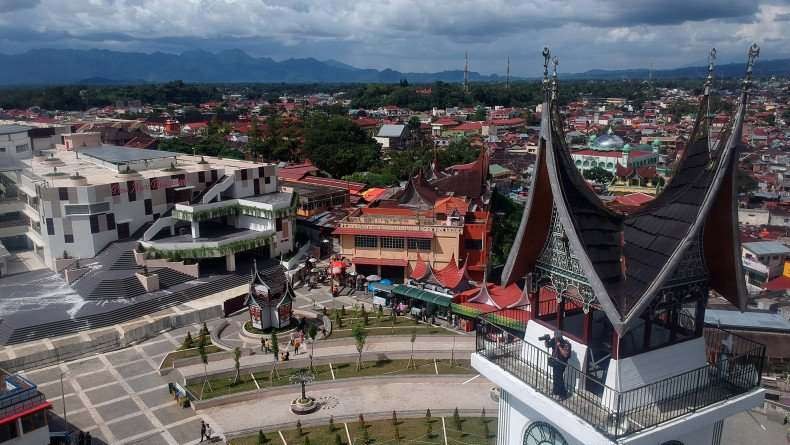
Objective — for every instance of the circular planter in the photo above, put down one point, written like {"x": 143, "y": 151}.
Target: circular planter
{"x": 245, "y": 333}
{"x": 304, "y": 406}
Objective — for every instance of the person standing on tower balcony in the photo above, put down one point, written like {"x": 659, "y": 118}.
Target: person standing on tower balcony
{"x": 560, "y": 353}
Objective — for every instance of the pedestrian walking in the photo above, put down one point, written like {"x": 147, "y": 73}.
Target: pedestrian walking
{"x": 202, "y": 430}
{"x": 88, "y": 438}
{"x": 81, "y": 438}
{"x": 208, "y": 432}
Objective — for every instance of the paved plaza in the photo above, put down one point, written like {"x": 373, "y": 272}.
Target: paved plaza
{"x": 119, "y": 397}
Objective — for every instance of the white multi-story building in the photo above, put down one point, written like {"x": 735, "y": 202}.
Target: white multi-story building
{"x": 15, "y": 141}
{"x": 74, "y": 202}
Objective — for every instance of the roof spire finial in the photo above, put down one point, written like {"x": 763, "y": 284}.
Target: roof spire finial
{"x": 546, "y": 58}
{"x": 752, "y": 55}
{"x": 555, "y": 61}
{"x": 711, "y": 64}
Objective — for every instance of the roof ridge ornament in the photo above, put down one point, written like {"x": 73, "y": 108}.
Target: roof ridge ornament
{"x": 554, "y": 91}
{"x": 546, "y": 58}
{"x": 752, "y": 55}
{"x": 711, "y": 65}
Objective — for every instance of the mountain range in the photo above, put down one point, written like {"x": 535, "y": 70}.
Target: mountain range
{"x": 94, "y": 66}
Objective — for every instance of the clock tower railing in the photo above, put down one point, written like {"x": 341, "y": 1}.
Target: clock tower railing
{"x": 734, "y": 366}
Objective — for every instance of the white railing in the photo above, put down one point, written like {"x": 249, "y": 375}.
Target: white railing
{"x": 157, "y": 226}
{"x": 218, "y": 188}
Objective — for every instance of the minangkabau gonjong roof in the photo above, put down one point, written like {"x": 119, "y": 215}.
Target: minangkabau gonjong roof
{"x": 629, "y": 258}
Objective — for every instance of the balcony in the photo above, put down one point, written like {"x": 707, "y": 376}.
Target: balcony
{"x": 214, "y": 242}
{"x": 617, "y": 414}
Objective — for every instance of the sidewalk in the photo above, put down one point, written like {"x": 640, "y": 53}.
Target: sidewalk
{"x": 354, "y": 398}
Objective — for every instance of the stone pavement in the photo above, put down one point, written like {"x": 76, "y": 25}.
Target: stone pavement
{"x": 119, "y": 396}
{"x": 353, "y": 398}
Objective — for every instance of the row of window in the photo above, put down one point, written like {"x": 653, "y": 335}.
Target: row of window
{"x": 390, "y": 242}
{"x": 19, "y": 148}
{"x": 261, "y": 174}
{"x": 94, "y": 222}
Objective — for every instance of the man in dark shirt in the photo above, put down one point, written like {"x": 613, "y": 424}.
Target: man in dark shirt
{"x": 560, "y": 353}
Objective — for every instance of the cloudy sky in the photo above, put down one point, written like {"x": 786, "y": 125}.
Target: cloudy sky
{"x": 413, "y": 35}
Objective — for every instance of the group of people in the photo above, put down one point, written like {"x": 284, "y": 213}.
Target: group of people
{"x": 84, "y": 438}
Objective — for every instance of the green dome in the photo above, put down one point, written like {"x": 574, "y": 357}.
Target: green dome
{"x": 626, "y": 148}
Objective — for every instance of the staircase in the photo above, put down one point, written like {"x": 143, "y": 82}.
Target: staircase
{"x": 215, "y": 190}
{"x": 120, "y": 289}
{"x": 162, "y": 223}
{"x": 170, "y": 277}
{"x": 125, "y": 262}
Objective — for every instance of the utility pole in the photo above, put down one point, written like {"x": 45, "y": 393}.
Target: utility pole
{"x": 466, "y": 71}
{"x": 507, "y": 81}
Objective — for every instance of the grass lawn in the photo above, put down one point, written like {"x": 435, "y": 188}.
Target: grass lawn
{"x": 410, "y": 431}
{"x": 224, "y": 385}
{"x": 381, "y": 325}
{"x": 186, "y": 353}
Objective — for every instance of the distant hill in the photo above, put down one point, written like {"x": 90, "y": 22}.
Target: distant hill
{"x": 56, "y": 66}
{"x": 104, "y": 67}
{"x": 763, "y": 68}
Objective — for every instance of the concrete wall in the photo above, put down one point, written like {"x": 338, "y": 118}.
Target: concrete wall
{"x": 753, "y": 217}
{"x": 16, "y": 145}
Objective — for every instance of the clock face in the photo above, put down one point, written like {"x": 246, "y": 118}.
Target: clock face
{"x": 541, "y": 433}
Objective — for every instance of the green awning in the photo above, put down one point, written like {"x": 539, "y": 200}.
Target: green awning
{"x": 423, "y": 295}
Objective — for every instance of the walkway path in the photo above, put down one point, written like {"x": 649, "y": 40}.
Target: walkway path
{"x": 464, "y": 346}
{"x": 353, "y": 398}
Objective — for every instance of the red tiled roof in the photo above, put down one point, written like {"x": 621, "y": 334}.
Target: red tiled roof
{"x": 445, "y": 121}
{"x": 420, "y": 269}
{"x": 500, "y": 297}
{"x": 507, "y": 122}
{"x": 353, "y": 187}
{"x": 778, "y": 283}
{"x": 633, "y": 199}
{"x": 380, "y": 262}
{"x": 297, "y": 171}
{"x": 599, "y": 153}
{"x": 450, "y": 203}
{"x": 374, "y": 232}
{"x": 468, "y": 126}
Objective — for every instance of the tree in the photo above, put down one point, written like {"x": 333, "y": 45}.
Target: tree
{"x": 299, "y": 428}
{"x": 338, "y": 146}
{"x": 457, "y": 419}
{"x": 480, "y": 114}
{"x": 458, "y": 152}
{"x": 307, "y": 440}
{"x": 338, "y": 320}
{"x": 276, "y": 353}
{"x": 204, "y": 330}
{"x": 599, "y": 175}
{"x": 413, "y": 337}
{"x": 338, "y": 440}
{"x": 204, "y": 359}
{"x": 262, "y": 440}
{"x": 394, "y": 418}
{"x": 237, "y": 364}
{"x": 312, "y": 332}
{"x": 188, "y": 342}
{"x": 428, "y": 415}
{"x": 364, "y": 316}
{"x": 360, "y": 336}
{"x": 331, "y": 424}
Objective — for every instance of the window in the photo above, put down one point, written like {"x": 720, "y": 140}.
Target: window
{"x": 473, "y": 244}
{"x": 110, "y": 221}
{"x": 68, "y": 238}
{"x": 50, "y": 226}
{"x": 201, "y": 177}
{"x": 22, "y": 148}
{"x": 153, "y": 183}
{"x": 148, "y": 207}
{"x": 94, "y": 223}
{"x": 541, "y": 433}
{"x": 8, "y": 431}
{"x": 131, "y": 192}
{"x": 419, "y": 244}
{"x": 365, "y": 241}
{"x": 278, "y": 223}
{"x": 63, "y": 193}
{"x": 213, "y": 175}
{"x": 2, "y": 149}
{"x": 268, "y": 180}
{"x": 389, "y": 242}
{"x": 256, "y": 185}
{"x": 244, "y": 175}
{"x": 34, "y": 421}
{"x": 261, "y": 172}
{"x": 115, "y": 189}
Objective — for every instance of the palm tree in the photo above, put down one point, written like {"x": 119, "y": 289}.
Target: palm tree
{"x": 360, "y": 336}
